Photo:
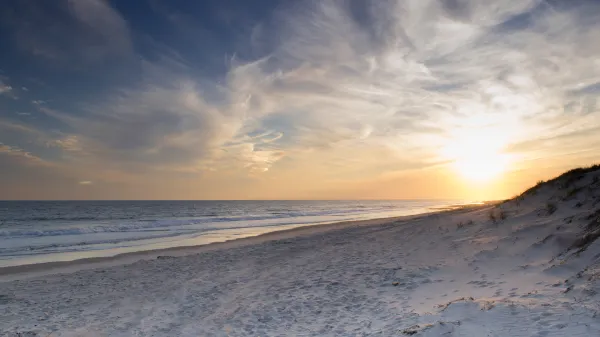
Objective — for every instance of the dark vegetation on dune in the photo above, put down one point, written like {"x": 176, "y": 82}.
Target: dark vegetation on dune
{"x": 566, "y": 180}
{"x": 579, "y": 188}
{"x": 581, "y": 185}
{"x": 591, "y": 232}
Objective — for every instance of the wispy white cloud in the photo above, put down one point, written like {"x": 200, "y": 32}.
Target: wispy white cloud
{"x": 427, "y": 71}
{"x": 20, "y": 154}
{"x": 69, "y": 143}
{"x": 166, "y": 124}
{"x": 413, "y": 76}
{"x": 352, "y": 93}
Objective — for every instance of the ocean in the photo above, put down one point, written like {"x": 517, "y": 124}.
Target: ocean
{"x": 48, "y": 231}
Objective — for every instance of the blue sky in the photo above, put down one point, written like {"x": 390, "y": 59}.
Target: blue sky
{"x": 294, "y": 99}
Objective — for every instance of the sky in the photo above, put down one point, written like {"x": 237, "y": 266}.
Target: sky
{"x": 296, "y": 99}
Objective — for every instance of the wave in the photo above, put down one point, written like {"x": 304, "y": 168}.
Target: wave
{"x": 158, "y": 224}
{"x": 135, "y": 225}
{"x": 262, "y": 213}
{"x": 125, "y": 227}
{"x": 77, "y": 246}
{"x": 91, "y": 243}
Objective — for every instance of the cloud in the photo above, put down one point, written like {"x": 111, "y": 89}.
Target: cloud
{"x": 167, "y": 124}
{"x": 345, "y": 90}
{"x": 104, "y": 21}
{"x": 27, "y": 176}
{"x": 16, "y": 152}
{"x": 69, "y": 32}
{"x": 432, "y": 68}
{"x": 31, "y": 133}
{"x": 409, "y": 77}
{"x": 5, "y": 88}
{"x": 85, "y": 182}
{"x": 68, "y": 143}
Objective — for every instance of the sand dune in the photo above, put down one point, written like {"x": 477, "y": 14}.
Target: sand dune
{"x": 526, "y": 267}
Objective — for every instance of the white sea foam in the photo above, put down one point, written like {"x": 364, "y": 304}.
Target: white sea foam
{"x": 47, "y": 229}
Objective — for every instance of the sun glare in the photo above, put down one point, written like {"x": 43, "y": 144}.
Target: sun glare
{"x": 481, "y": 168}
{"x": 477, "y": 155}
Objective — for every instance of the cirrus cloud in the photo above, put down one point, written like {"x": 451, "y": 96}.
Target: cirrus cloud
{"x": 342, "y": 90}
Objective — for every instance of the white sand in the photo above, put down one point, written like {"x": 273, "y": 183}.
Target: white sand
{"x": 450, "y": 274}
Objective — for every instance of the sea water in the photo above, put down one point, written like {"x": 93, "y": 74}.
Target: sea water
{"x": 48, "y": 231}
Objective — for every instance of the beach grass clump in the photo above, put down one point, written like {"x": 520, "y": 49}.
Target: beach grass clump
{"x": 583, "y": 242}
{"x": 415, "y": 329}
{"x": 534, "y": 189}
{"x": 497, "y": 215}
{"x": 464, "y": 224}
{"x": 551, "y": 208}
{"x": 595, "y": 220}
{"x": 519, "y": 199}
{"x": 492, "y": 216}
{"x": 572, "y": 192}
{"x": 590, "y": 234}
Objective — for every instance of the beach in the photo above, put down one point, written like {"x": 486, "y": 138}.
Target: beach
{"x": 516, "y": 268}
{"x": 310, "y": 168}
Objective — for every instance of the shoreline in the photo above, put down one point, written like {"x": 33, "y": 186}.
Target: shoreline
{"x": 10, "y": 273}
{"x": 504, "y": 268}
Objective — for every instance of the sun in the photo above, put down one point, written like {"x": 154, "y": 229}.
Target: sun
{"x": 477, "y": 155}
{"x": 481, "y": 168}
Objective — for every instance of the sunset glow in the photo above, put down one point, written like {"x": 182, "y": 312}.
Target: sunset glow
{"x": 482, "y": 168}
{"x": 300, "y": 167}
{"x": 477, "y": 153}
{"x": 323, "y": 99}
